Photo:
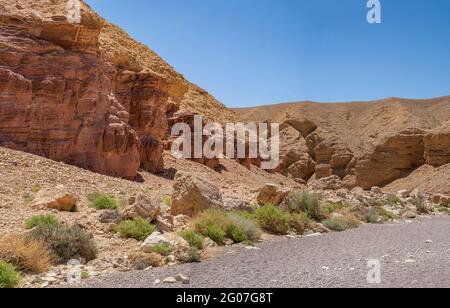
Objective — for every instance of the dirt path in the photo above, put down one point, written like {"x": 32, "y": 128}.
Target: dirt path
{"x": 411, "y": 255}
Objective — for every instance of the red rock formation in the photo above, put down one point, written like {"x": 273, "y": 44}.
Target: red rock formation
{"x": 86, "y": 94}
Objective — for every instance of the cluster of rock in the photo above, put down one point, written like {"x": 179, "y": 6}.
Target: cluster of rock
{"x": 308, "y": 157}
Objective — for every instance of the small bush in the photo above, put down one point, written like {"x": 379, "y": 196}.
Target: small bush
{"x": 215, "y": 233}
{"x": 336, "y": 224}
{"x": 300, "y": 222}
{"x": 28, "y": 255}
{"x": 332, "y": 207}
{"x": 162, "y": 249}
{"x": 167, "y": 201}
{"x": 304, "y": 202}
{"x": 194, "y": 255}
{"x": 193, "y": 238}
{"x": 395, "y": 200}
{"x": 138, "y": 229}
{"x": 372, "y": 216}
{"x": 41, "y": 221}
{"x": 213, "y": 224}
{"x": 341, "y": 223}
{"x": 66, "y": 242}
{"x": 103, "y": 202}
{"x": 243, "y": 229}
{"x": 272, "y": 219}
{"x": 85, "y": 275}
{"x": 420, "y": 205}
{"x": 9, "y": 278}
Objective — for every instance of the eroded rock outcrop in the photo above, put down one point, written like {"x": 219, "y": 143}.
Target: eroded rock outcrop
{"x": 393, "y": 159}
{"x": 86, "y": 94}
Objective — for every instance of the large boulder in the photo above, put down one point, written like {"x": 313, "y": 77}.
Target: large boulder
{"x": 142, "y": 207}
{"x": 57, "y": 198}
{"x": 194, "y": 193}
{"x": 272, "y": 193}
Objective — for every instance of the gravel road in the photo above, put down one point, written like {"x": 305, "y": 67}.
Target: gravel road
{"x": 413, "y": 254}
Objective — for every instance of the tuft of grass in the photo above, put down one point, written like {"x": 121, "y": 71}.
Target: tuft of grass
{"x": 27, "y": 255}
{"x": 162, "y": 249}
{"x": 41, "y": 220}
{"x": 420, "y": 205}
{"x": 193, "y": 238}
{"x": 395, "y": 200}
{"x": 66, "y": 242}
{"x": 194, "y": 255}
{"x": 138, "y": 229}
{"x": 36, "y": 188}
{"x": 103, "y": 202}
{"x": 372, "y": 216}
{"x": 27, "y": 198}
{"x": 304, "y": 202}
{"x": 85, "y": 275}
{"x": 167, "y": 201}
{"x": 9, "y": 277}
{"x": 272, "y": 219}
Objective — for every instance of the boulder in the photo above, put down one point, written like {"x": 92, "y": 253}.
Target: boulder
{"x": 57, "y": 198}
{"x": 142, "y": 207}
{"x": 110, "y": 217}
{"x": 233, "y": 204}
{"x": 272, "y": 193}
{"x": 194, "y": 194}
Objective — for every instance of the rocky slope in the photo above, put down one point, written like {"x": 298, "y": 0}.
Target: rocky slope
{"x": 87, "y": 94}
{"x": 365, "y": 144}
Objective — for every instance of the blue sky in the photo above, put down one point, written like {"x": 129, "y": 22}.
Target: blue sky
{"x": 258, "y": 52}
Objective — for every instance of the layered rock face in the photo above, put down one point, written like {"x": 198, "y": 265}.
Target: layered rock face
{"x": 358, "y": 144}
{"x": 85, "y": 94}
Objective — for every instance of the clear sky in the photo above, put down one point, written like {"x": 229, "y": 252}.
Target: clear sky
{"x": 257, "y": 52}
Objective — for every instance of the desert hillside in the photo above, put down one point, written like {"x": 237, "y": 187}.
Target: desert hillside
{"x": 364, "y": 143}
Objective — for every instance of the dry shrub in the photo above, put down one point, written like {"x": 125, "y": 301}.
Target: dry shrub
{"x": 27, "y": 255}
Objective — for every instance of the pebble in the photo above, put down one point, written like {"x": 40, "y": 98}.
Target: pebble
{"x": 428, "y": 241}
{"x": 170, "y": 280}
{"x": 182, "y": 278}
{"x": 409, "y": 261}
{"x": 157, "y": 281}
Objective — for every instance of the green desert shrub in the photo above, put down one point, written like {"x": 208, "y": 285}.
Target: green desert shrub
{"x": 304, "y": 202}
{"x": 66, "y": 242}
{"x": 242, "y": 228}
{"x": 395, "y": 200}
{"x": 41, "y": 220}
{"x": 272, "y": 219}
{"x": 138, "y": 229}
{"x": 300, "y": 222}
{"x": 103, "y": 202}
{"x": 212, "y": 223}
{"x": 9, "y": 277}
{"x": 162, "y": 249}
{"x": 372, "y": 216}
{"x": 421, "y": 206}
{"x": 193, "y": 238}
{"x": 194, "y": 255}
{"x": 341, "y": 223}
